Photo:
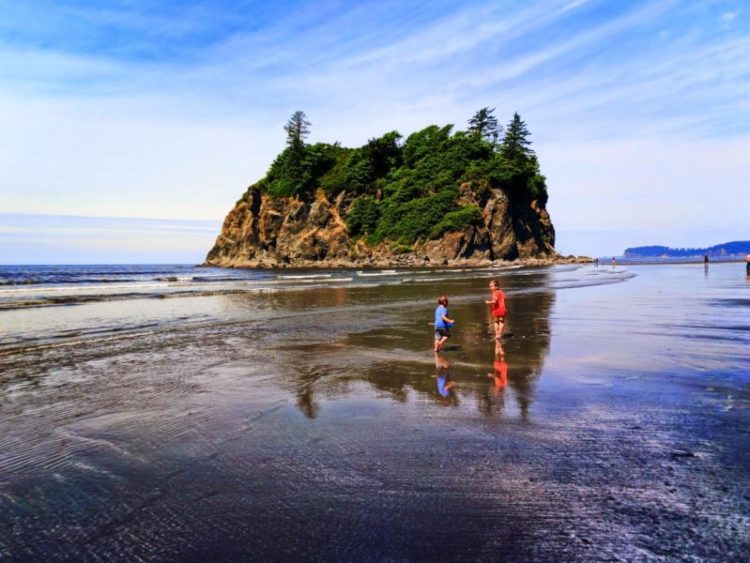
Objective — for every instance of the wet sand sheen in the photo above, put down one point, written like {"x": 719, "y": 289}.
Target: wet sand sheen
{"x": 315, "y": 430}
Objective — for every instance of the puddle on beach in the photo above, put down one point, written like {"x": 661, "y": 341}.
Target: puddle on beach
{"x": 316, "y": 422}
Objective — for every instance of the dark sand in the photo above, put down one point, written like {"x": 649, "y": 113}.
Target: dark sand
{"x": 307, "y": 425}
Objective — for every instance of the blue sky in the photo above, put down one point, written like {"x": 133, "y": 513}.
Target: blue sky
{"x": 639, "y": 110}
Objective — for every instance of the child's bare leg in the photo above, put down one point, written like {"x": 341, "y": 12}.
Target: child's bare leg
{"x": 439, "y": 343}
{"x": 499, "y": 326}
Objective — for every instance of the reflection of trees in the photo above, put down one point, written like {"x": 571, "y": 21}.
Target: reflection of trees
{"x": 525, "y": 351}
{"x": 491, "y": 398}
{"x": 526, "y": 355}
{"x": 306, "y": 401}
{"x": 294, "y": 299}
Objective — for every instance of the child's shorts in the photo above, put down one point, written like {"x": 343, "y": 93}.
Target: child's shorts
{"x": 442, "y": 332}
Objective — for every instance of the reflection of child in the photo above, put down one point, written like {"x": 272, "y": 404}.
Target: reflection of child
{"x": 500, "y": 375}
{"x": 444, "y": 385}
{"x": 498, "y": 314}
{"x": 443, "y": 324}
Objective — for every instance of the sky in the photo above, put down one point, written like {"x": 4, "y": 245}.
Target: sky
{"x": 114, "y": 111}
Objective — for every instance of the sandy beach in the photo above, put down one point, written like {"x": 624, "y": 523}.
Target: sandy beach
{"x": 296, "y": 417}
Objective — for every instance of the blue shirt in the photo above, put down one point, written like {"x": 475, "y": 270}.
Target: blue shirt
{"x": 441, "y": 311}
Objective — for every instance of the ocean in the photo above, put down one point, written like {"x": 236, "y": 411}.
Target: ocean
{"x": 184, "y": 413}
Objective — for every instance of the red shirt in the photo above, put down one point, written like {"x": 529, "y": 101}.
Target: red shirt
{"x": 498, "y": 306}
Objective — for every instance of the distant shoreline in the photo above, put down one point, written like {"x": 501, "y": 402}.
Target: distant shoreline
{"x": 666, "y": 261}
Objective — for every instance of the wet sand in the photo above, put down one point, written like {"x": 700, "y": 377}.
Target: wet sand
{"x": 310, "y": 425}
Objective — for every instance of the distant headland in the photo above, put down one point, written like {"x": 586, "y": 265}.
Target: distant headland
{"x": 439, "y": 197}
{"x": 737, "y": 249}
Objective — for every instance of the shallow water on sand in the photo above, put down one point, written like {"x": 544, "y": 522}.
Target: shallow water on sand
{"x": 308, "y": 418}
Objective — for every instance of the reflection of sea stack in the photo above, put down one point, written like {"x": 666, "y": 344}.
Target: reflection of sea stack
{"x": 306, "y": 401}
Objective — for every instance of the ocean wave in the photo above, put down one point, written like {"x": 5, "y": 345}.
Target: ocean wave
{"x": 303, "y": 276}
{"x": 204, "y": 279}
{"x": 380, "y": 273}
{"x": 68, "y": 288}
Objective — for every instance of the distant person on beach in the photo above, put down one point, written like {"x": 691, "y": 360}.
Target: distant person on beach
{"x": 443, "y": 323}
{"x": 498, "y": 314}
{"x": 747, "y": 264}
{"x": 614, "y": 262}
{"x": 705, "y": 259}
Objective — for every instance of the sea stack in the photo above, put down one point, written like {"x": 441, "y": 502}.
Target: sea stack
{"x": 438, "y": 198}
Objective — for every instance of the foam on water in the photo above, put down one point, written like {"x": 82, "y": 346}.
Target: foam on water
{"x": 375, "y": 274}
{"x": 304, "y": 276}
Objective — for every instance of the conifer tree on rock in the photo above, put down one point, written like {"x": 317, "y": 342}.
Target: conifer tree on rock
{"x": 484, "y": 124}
{"x": 516, "y": 145}
{"x": 297, "y": 130}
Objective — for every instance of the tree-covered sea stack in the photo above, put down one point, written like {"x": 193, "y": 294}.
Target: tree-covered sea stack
{"x": 437, "y": 197}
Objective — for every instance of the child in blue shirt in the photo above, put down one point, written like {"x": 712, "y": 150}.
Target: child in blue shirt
{"x": 443, "y": 323}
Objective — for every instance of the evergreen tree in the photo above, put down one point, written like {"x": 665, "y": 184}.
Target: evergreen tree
{"x": 297, "y": 129}
{"x": 515, "y": 145}
{"x": 484, "y": 124}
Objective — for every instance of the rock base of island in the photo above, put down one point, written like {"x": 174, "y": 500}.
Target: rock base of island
{"x": 294, "y": 232}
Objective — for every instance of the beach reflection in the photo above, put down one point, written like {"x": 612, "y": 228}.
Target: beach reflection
{"x": 306, "y": 401}
{"x": 269, "y": 423}
{"x": 500, "y": 375}
{"x": 394, "y": 358}
{"x": 492, "y": 401}
{"x": 444, "y": 380}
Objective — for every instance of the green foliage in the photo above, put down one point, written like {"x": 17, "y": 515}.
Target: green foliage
{"x": 297, "y": 128}
{"x": 408, "y": 191}
{"x": 285, "y": 177}
{"x": 515, "y": 145}
{"x": 484, "y": 124}
{"x": 456, "y": 220}
{"x": 295, "y": 170}
{"x": 363, "y": 216}
{"x": 408, "y": 221}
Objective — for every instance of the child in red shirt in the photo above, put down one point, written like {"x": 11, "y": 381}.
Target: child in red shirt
{"x": 498, "y": 314}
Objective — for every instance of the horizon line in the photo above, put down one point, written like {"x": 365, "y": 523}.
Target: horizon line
{"x": 66, "y": 216}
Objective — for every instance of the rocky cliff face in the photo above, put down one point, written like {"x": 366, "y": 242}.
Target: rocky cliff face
{"x": 291, "y": 232}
